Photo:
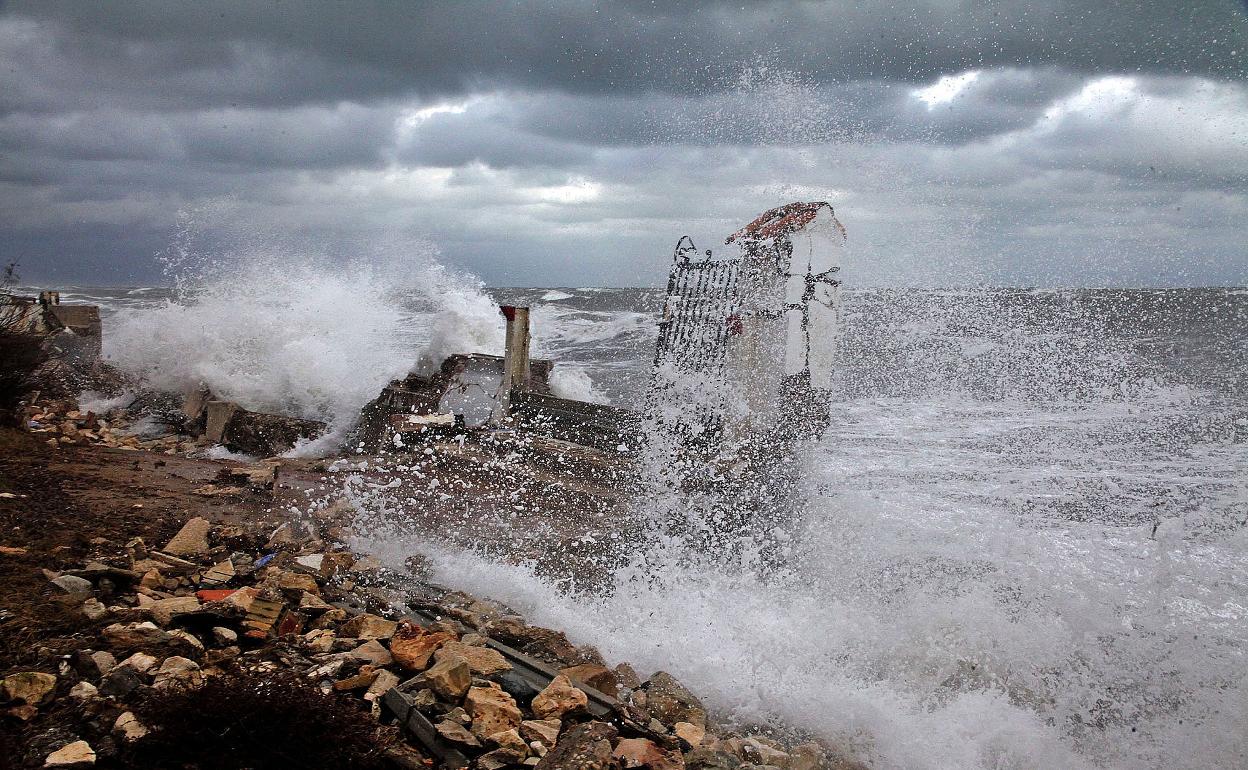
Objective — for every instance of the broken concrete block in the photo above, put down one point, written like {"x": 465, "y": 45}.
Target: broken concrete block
{"x": 191, "y": 540}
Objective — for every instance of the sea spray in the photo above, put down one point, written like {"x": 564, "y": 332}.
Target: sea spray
{"x": 295, "y": 332}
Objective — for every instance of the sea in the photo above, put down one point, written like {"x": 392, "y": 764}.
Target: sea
{"x": 1026, "y": 533}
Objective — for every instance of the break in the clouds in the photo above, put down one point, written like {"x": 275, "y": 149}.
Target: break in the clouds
{"x": 572, "y": 143}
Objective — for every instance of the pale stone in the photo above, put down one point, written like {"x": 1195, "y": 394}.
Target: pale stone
{"x": 73, "y": 585}
{"x": 482, "y": 660}
{"x": 129, "y": 727}
{"x": 372, "y": 652}
{"x": 33, "y": 687}
{"x": 384, "y": 682}
{"x": 141, "y": 662}
{"x": 509, "y": 740}
{"x": 134, "y": 634}
{"x": 224, "y": 636}
{"x": 178, "y": 671}
{"x": 219, "y": 573}
{"x": 94, "y": 609}
{"x": 76, "y": 753}
{"x": 492, "y": 710}
{"x": 164, "y": 611}
{"x": 544, "y": 730}
{"x": 191, "y": 540}
{"x": 690, "y": 733}
{"x": 560, "y": 697}
{"x": 449, "y": 678}
{"x": 187, "y": 638}
{"x": 368, "y": 627}
{"x": 84, "y": 691}
{"x": 457, "y": 733}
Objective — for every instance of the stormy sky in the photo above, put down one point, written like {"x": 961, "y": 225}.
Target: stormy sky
{"x": 1019, "y": 142}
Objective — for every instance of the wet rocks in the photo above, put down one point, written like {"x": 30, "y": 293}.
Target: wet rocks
{"x": 668, "y": 701}
{"x": 640, "y": 752}
{"x": 559, "y": 698}
{"x": 134, "y": 634}
{"x": 596, "y": 676}
{"x": 449, "y": 678}
{"x": 583, "y": 747}
{"x": 492, "y": 710}
{"x": 367, "y": 626}
{"x": 412, "y": 646}
{"x": 482, "y": 660}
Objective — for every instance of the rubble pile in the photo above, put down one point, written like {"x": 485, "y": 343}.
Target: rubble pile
{"x": 455, "y": 681}
{"x": 64, "y": 424}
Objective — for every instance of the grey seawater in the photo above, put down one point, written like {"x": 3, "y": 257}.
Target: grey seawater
{"x": 1025, "y": 538}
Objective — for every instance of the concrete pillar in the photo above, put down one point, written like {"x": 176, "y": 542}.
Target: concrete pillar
{"x": 515, "y": 359}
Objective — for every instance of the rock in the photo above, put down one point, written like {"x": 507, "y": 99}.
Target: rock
{"x": 510, "y": 741}
{"x": 94, "y": 609}
{"x": 292, "y": 582}
{"x": 482, "y": 660}
{"x": 627, "y": 677}
{"x": 559, "y": 698}
{"x": 191, "y": 540}
{"x": 311, "y": 563}
{"x": 11, "y": 550}
{"x": 219, "y": 574}
{"x": 97, "y": 663}
{"x": 76, "y": 753}
{"x": 187, "y": 640}
{"x": 492, "y": 710}
{"x": 640, "y": 752}
{"x": 412, "y": 646}
{"x": 31, "y": 687}
{"x": 544, "y": 730}
{"x": 691, "y": 734}
{"x": 583, "y": 747}
{"x": 368, "y": 626}
{"x": 756, "y": 751}
{"x": 372, "y": 652}
{"x": 711, "y": 759}
{"x": 320, "y": 640}
{"x": 129, "y": 727}
{"x": 141, "y": 662}
{"x": 330, "y": 618}
{"x": 178, "y": 671}
{"x": 120, "y": 682}
{"x": 362, "y": 680}
{"x": 84, "y": 691}
{"x": 517, "y": 686}
{"x": 163, "y": 611}
{"x": 381, "y": 685}
{"x": 543, "y": 643}
{"x": 598, "y": 677}
{"x": 224, "y": 636}
{"x": 669, "y": 702}
{"x": 497, "y": 759}
{"x": 457, "y": 733}
{"x": 311, "y": 603}
{"x": 74, "y": 586}
{"x": 449, "y": 678}
{"x": 807, "y": 756}
{"x": 134, "y": 634}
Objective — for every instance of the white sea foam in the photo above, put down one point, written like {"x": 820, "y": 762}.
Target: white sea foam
{"x": 304, "y": 335}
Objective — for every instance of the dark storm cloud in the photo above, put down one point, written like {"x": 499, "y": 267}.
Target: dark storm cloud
{"x": 274, "y": 53}
{"x": 561, "y": 142}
